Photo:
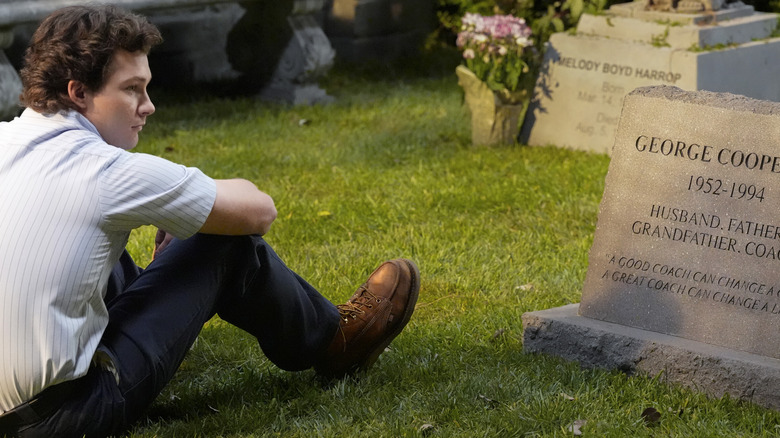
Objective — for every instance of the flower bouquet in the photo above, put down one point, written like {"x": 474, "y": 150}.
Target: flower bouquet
{"x": 494, "y": 74}
{"x": 495, "y": 49}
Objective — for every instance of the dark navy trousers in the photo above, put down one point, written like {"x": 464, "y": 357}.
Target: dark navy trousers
{"x": 155, "y": 315}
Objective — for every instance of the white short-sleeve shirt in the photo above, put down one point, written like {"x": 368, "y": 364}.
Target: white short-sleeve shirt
{"x": 68, "y": 202}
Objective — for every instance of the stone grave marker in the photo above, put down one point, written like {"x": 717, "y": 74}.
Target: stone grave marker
{"x": 585, "y": 75}
{"x": 683, "y": 273}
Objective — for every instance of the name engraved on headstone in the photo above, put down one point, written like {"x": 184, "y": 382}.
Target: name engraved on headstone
{"x": 688, "y": 237}
{"x": 666, "y": 76}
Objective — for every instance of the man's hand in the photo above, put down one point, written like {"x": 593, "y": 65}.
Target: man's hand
{"x": 240, "y": 208}
{"x": 161, "y": 240}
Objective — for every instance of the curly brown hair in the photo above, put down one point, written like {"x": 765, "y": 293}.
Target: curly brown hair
{"x": 77, "y": 43}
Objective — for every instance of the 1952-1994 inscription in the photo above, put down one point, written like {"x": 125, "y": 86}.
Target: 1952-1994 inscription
{"x": 717, "y": 187}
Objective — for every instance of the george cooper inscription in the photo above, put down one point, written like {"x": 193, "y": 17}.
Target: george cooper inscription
{"x": 694, "y": 151}
{"x": 688, "y": 239}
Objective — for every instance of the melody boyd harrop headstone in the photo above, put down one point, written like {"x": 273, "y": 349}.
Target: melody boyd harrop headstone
{"x": 687, "y": 245}
{"x": 579, "y": 92}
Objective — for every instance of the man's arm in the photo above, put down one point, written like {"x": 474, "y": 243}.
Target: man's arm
{"x": 239, "y": 209}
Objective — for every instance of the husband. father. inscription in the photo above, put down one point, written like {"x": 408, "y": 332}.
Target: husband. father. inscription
{"x": 688, "y": 238}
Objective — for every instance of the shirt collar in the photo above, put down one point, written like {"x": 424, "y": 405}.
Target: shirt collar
{"x": 70, "y": 119}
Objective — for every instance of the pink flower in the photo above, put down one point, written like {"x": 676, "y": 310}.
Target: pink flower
{"x": 463, "y": 37}
{"x": 501, "y": 30}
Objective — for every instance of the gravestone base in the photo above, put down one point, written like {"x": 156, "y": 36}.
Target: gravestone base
{"x": 585, "y": 76}
{"x": 710, "y": 369}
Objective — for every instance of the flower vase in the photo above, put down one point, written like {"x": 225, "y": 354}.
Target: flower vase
{"x": 494, "y": 118}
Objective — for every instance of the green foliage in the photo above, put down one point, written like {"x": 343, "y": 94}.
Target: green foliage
{"x": 776, "y": 32}
{"x": 556, "y": 16}
{"x": 450, "y": 12}
{"x": 660, "y": 40}
{"x": 715, "y": 47}
{"x": 388, "y": 171}
{"x": 512, "y": 74}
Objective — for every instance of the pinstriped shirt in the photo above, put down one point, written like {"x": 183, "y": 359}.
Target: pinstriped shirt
{"x": 68, "y": 202}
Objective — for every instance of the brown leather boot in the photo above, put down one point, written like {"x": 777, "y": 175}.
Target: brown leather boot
{"x": 372, "y": 318}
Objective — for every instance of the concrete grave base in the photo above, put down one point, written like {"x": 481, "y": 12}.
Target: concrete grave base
{"x": 703, "y": 367}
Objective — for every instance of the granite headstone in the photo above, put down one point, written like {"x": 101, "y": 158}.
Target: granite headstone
{"x": 585, "y": 75}
{"x": 683, "y": 272}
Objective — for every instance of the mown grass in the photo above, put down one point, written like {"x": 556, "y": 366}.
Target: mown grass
{"x": 388, "y": 171}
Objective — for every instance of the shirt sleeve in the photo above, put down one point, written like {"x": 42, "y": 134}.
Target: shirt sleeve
{"x": 139, "y": 189}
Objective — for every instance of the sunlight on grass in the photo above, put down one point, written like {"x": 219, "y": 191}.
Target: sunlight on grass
{"x": 388, "y": 171}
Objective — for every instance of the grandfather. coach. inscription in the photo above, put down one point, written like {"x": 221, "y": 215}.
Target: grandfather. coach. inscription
{"x": 688, "y": 239}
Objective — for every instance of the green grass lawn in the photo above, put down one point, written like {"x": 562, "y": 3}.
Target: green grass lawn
{"x": 388, "y": 171}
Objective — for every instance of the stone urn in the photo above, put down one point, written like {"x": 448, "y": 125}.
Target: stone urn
{"x": 495, "y": 116}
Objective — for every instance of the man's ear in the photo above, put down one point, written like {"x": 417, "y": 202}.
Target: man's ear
{"x": 78, "y": 94}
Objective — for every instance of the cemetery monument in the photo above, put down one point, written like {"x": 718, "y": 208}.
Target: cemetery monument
{"x": 691, "y": 44}
{"x": 683, "y": 275}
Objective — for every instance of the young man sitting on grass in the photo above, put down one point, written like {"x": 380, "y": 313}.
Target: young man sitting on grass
{"x": 87, "y": 338}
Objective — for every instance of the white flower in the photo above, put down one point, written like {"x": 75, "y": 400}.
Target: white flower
{"x": 480, "y": 38}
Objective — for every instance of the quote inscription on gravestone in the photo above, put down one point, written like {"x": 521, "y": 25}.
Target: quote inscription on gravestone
{"x": 688, "y": 235}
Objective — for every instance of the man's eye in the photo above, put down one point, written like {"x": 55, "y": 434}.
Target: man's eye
{"x": 132, "y": 88}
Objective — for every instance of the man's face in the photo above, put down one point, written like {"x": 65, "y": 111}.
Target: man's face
{"x": 120, "y": 108}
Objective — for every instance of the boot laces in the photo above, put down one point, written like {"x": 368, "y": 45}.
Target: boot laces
{"x": 355, "y": 307}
